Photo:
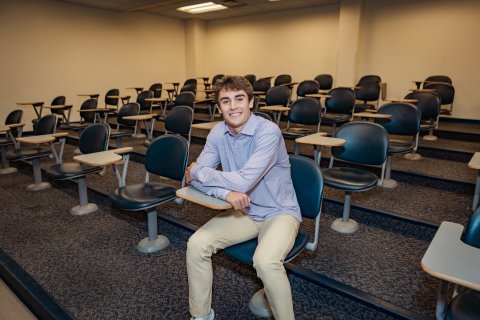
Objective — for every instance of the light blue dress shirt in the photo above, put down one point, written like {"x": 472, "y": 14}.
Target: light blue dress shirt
{"x": 254, "y": 162}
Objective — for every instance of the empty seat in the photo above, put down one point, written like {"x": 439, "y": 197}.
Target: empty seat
{"x": 366, "y": 144}
{"x": 325, "y": 81}
{"x": 167, "y": 157}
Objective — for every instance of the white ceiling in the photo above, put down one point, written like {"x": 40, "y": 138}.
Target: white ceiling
{"x": 167, "y": 8}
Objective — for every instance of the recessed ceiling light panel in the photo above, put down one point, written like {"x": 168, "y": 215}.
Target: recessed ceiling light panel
{"x": 202, "y": 7}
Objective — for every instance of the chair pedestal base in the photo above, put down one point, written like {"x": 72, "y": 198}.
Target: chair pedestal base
{"x": 259, "y": 305}
{"x": 388, "y": 184}
{"x": 8, "y": 170}
{"x": 38, "y": 186}
{"x": 349, "y": 226}
{"x": 85, "y": 209}
{"x": 430, "y": 137}
{"x": 150, "y": 246}
{"x": 412, "y": 156}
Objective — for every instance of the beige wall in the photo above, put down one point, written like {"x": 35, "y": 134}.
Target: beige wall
{"x": 405, "y": 40}
{"x": 51, "y": 48}
{"x": 300, "y": 42}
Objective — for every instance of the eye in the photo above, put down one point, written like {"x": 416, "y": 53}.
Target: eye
{"x": 239, "y": 99}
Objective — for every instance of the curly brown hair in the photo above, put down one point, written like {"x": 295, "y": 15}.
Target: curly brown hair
{"x": 235, "y": 83}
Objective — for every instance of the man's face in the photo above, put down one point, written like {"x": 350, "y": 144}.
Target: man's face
{"x": 235, "y": 108}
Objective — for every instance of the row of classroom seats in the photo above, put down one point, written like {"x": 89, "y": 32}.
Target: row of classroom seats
{"x": 369, "y": 145}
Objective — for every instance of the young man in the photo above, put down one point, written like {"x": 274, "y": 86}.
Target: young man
{"x": 256, "y": 180}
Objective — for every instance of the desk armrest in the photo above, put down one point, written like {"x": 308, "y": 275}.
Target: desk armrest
{"x": 16, "y": 125}
{"x": 449, "y": 258}
{"x": 122, "y": 150}
{"x": 475, "y": 161}
{"x": 198, "y": 197}
{"x": 59, "y": 134}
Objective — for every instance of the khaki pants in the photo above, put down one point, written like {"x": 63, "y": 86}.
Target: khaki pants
{"x": 276, "y": 237}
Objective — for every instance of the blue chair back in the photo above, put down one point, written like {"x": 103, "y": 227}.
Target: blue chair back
{"x": 308, "y": 184}
{"x": 367, "y": 143}
{"x": 445, "y": 90}
{"x": 282, "y": 79}
{"x": 156, "y": 88}
{"x": 167, "y": 157}
{"x": 305, "y": 111}
{"x": 112, "y": 101}
{"x": 370, "y": 78}
{"x": 405, "y": 118}
{"x": 145, "y": 105}
{"x": 342, "y": 101}
{"x": 471, "y": 235}
{"x": 428, "y": 103}
{"x": 369, "y": 91}
{"x": 88, "y": 104}
{"x": 14, "y": 117}
{"x": 279, "y": 95}
{"x": 94, "y": 138}
{"x": 251, "y": 78}
{"x": 179, "y": 120}
{"x": 325, "y": 81}
{"x": 439, "y": 78}
{"x": 46, "y": 125}
{"x": 261, "y": 85}
{"x": 130, "y": 109}
{"x": 307, "y": 87}
{"x": 186, "y": 98}
{"x": 190, "y": 87}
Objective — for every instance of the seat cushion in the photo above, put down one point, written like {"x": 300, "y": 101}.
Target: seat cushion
{"x": 244, "y": 251}
{"x": 400, "y": 147}
{"x": 465, "y": 306}
{"x": 427, "y": 125}
{"x": 70, "y": 170}
{"x": 120, "y": 133}
{"x": 335, "y": 118}
{"x": 142, "y": 196}
{"x": 295, "y": 133}
{"x": 28, "y": 153}
{"x": 349, "y": 179}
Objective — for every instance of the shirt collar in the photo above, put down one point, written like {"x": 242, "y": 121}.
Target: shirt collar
{"x": 249, "y": 128}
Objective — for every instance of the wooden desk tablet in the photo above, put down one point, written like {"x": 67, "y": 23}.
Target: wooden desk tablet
{"x": 138, "y": 89}
{"x": 371, "y": 115}
{"x": 318, "y": 140}
{"x": 37, "y": 107}
{"x": 423, "y": 90}
{"x": 205, "y": 125}
{"x": 451, "y": 260}
{"x": 102, "y": 158}
{"x": 318, "y": 95}
{"x": 144, "y": 118}
{"x": 277, "y": 111}
{"x": 44, "y": 138}
{"x": 402, "y": 100}
{"x": 196, "y": 196}
{"x": 91, "y": 95}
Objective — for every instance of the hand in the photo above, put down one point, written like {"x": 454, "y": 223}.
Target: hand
{"x": 188, "y": 177}
{"x": 238, "y": 200}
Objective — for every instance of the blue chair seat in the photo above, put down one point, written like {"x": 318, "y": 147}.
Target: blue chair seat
{"x": 350, "y": 179}
{"x": 332, "y": 117}
{"x": 244, "y": 251}
{"x": 142, "y": 196}
{"x": 427, "y": 125}
{"x": 70, "y": 170}
{"x": 120, "y": 133}
{"x": 400, "y": 146}
{"x": 465, "y": 306}
{"x": 294, "y": 134}
{"x": 30, "y": 153}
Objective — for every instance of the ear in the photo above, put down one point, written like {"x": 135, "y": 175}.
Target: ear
{"x": 250, "y": 104}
